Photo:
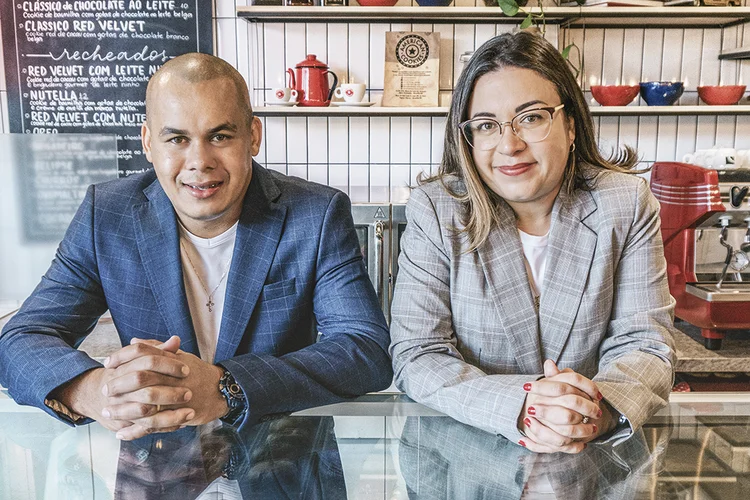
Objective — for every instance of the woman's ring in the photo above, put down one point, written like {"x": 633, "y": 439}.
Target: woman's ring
{"x": 585, "y": 420}
{"x": 158, "y": 409}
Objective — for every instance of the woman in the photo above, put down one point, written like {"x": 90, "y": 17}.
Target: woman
{"x": 532, "y": 297}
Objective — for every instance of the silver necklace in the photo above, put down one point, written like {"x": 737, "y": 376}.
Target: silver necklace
{"x": 210, "y": 304}
{"x": 534, "y": 292}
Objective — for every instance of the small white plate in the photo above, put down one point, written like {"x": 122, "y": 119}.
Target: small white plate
{"x": 281, "y": 103}
{"x": 362, "y": 104}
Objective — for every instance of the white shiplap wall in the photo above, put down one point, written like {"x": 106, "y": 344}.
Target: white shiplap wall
{"x": 375, "y": 159}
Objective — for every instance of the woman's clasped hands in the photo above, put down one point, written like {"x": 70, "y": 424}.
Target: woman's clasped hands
{"x": 562, "y": 412}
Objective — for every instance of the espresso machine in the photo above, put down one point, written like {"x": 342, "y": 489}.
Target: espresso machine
{"x": 705, "y": 225}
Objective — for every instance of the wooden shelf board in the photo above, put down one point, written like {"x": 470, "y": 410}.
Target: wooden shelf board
{"x": 347, "y": 111}
{"x": 738, "y": 53}
{"x": 669, "y": 110}
{"x": 637, "y": 17}
{"x": 443, "y": 111}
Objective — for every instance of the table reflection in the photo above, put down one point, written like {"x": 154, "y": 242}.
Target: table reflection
{"x": 442, "y": 458}
{"x": 372, "y": 449}
{"x": 291, "y": 457}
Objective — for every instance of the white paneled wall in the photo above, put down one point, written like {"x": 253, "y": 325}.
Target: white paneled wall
{"x": 375, "y": 159}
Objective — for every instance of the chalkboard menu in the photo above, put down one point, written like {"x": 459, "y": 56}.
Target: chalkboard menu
{"x": 81, "y": 66}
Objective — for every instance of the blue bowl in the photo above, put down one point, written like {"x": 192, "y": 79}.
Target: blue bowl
{"x": 434, "y": 3}
{"x": 661, "y": 93}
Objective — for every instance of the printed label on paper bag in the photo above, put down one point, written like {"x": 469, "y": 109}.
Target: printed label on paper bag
{"x": 411, "y": 69}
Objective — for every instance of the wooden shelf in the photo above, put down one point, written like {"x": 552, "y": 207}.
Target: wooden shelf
{"x": 347, "y": 111}
{"x": 334, "y": 111}
{"x": 622, "y": 17}
{"x": 738, "y": 53}
{"x": 702, "y": 110}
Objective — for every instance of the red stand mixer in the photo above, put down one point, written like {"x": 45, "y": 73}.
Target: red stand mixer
{"x": 705, "y": 225}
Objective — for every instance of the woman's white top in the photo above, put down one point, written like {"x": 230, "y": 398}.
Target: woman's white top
{"x": 535, "y": 253}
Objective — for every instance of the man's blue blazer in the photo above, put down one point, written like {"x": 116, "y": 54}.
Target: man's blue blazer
{"x": 297, "y": 270}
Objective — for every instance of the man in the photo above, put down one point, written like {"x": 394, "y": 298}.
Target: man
{"x": 217, "y": 272}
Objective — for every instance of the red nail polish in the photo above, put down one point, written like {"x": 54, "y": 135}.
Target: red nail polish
{"x": 522, "y": 443}
{"x": 599, "y": 396}
{"x": 527, "y": 387}
{"x": 527, "y": 421}
{"x": 531, "y": 410}
{"x": 599, "y": 414}
{"x": 596, "y": 429}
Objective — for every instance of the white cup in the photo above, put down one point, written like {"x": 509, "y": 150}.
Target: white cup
{"x": 725, "y": 158}
{"x": 715, "y": 158}
{"x": 697, "y": 158}
{"x": 720, "y": 158}
{"x": 284, "y": 94}
{"x": 350, "y": 92}
{"x": 742, "y": 159}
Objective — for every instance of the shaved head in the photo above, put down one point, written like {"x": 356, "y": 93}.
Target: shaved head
{"x": 196, "y": 67}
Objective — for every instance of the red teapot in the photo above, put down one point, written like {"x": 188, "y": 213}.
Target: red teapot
{"x": 310, "y": 80}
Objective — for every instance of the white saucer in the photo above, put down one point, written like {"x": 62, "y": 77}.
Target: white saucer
{"x": 362, "y": 104}
{"x": 281, "y": 103}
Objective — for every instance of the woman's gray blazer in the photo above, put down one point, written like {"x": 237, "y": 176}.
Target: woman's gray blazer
{"x": 465, "y": 335}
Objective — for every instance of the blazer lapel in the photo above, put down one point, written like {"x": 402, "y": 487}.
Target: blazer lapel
{"x": 570, "y": 253}
{"x": 258, "y": 235}
{"x": 502, "y": 261}
{"x": 158, "y": 243}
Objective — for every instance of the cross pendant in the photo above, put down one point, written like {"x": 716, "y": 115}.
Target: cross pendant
{"x": 210, "y": 304}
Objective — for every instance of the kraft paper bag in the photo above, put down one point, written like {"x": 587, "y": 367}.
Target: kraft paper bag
{"x": 412, "y": 63}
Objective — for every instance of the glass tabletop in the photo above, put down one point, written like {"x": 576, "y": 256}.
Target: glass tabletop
{"x": 381, "y": 446}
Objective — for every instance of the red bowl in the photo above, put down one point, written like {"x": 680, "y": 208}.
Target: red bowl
{"x": 377, "y": 3}
{"x": 614, "y": 95}
{"x": 721, "y": 95}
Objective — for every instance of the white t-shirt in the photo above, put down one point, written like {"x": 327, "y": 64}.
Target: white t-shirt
{"x": 222, "y": 489}
{"x": 538, "y": 487}
{"x": 535, "y": 251}
{"x": 205, "y": 267}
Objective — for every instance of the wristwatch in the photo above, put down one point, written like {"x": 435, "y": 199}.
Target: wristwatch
{"x": 235, "y": 398}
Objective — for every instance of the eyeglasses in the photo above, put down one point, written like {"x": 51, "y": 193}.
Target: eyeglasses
{"x": 532, "y": 125}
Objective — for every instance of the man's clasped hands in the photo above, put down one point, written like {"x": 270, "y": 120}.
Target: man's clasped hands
{"x": 145, "y": 387}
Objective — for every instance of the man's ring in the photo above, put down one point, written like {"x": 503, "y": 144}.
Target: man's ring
{"x": 585, "y": 420}
{"x": 158, "y": 409}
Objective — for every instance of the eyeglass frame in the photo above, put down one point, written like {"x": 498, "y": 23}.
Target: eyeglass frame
{"x": 549, "y": 109}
